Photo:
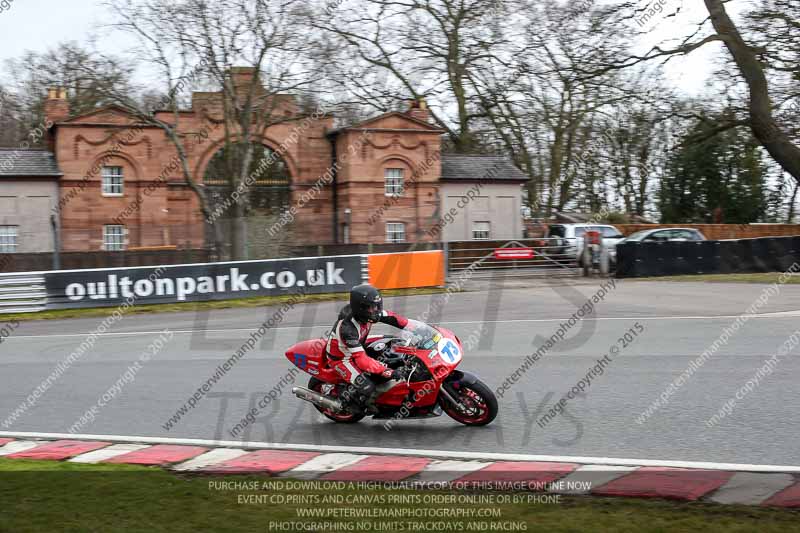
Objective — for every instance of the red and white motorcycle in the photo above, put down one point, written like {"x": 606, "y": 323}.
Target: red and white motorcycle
{"x": 426, "y": 357}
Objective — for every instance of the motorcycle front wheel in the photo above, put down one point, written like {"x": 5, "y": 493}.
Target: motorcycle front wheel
{"x": 478, "y": 401}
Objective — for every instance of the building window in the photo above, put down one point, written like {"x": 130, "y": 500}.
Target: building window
{"x": 8, "y": 239}
{"x": 393, "y": 181}
{"x": 481, "y": 230}
{"x": 395, "y": 232}
{"x": 113, "y": 238}
{"x": 112, "y": 181}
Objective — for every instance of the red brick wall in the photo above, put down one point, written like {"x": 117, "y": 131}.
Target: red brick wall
{"x": 170, "y": 214}
{"x": 361, "y": 178}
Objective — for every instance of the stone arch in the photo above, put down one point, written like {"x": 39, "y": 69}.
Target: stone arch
{"x": 275, "y": 146}
{"x": 397, "y": 157}
{"x": 103, "y": 159}
{"x": 400, "y": 157}
{"x": 408, "y": 163}
{"x": 107, "y": 158}
{"x": 266, "y": 200}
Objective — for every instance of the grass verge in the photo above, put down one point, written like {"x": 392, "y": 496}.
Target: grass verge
{"x": 257, "y": 301}
{"x": 762, "y": 277}
{"x": 45, "y": 496}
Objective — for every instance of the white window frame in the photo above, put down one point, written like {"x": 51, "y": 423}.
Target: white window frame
{"x": 115, "y": 245}
{"x": 110, "y": 183}
{"x": 9, "y": 239}
{"x": 393, "y": 229}
{"x": 487, "y": 230}
{"x": 393, "y": 184}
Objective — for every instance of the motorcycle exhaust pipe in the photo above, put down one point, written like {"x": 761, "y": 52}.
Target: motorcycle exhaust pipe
{"x": 326, "y": 402}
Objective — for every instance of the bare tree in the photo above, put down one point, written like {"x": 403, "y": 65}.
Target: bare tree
{"x": 253, "y": 51}
{"x": 754, "y": 62}
{"x": 81, "y": 70}
{"x": 548, "y": 115}
{"x": 431, "y": 48}
{"x": 12, "y": 128}
{"x": 762, "y": 121}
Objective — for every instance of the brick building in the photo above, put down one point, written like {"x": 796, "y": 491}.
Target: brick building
{"x": 121, "y": 186}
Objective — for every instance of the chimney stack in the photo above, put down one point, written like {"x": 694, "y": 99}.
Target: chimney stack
{"x": 56, "y": 107}
{"x": 419, "y": 110}
{"x": 242, "y": 77}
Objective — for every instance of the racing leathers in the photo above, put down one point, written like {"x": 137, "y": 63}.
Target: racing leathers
{"x": 345, "y": 349}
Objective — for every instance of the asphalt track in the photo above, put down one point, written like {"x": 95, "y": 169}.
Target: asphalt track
{"x": 680, "y": 321}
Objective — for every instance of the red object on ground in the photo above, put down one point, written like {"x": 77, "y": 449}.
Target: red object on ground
{"x": 4, "y": 441}
{"x": 272, "y": 461}
{"x": 535, "y": 475}
{"x": 159, "y": 454}
{"x": 60, "y": 449}
{"x": 661, "y": 482}
{"x": 788, "y": 497}
{"x": 513, "y": 253}
{"x": 379, "y": 468}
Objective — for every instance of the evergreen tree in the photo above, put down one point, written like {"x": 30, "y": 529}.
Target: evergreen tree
{"x": 714, "y": 177}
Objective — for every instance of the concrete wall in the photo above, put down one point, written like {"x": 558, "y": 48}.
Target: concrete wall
{"x": 27, "y": 203}
{"x": 497, "y": 203}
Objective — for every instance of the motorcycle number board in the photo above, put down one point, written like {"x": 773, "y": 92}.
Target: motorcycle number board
{"x": 449, "y": 351}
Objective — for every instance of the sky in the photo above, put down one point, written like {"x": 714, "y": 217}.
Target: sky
{"x": 40, "y": 24}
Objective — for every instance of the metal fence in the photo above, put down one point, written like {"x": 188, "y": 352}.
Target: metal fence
{"x": 22, "y": 293}
{"x": 524, "y": 257}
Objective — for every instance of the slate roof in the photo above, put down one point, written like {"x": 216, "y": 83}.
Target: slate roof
{"x": 458, "y": 167}
{"x": 24, "y": 163}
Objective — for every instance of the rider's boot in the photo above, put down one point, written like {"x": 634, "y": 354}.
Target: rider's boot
{"x": 362, "y": 396}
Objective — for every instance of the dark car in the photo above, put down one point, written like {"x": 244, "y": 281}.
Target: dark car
{"x": 658, "y": 235}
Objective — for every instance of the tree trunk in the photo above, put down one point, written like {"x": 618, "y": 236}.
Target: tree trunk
{"x": 790, "y": 216}
{"x": 763, "y": 124}
{"x": 239, "y": 234}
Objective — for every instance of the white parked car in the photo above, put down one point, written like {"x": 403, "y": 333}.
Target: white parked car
{"x": 666, "y": 235}
{"x": 569, "y": 238}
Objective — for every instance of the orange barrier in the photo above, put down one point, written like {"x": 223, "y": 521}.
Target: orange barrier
{"x": 406, "y": 269}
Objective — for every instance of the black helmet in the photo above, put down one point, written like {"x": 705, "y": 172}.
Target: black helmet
{"x": 366, "y": 303}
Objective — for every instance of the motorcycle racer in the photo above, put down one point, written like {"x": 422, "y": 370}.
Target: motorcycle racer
{"x": 345, "y": 346}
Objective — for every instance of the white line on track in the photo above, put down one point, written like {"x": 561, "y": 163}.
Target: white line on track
{"x": 782, "y": 314}
{"x": 434, "y": 454}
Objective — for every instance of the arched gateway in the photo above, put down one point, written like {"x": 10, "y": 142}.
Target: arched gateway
{"x": 262, "y": 202}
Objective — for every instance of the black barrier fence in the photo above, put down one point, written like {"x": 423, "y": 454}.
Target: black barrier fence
{"x": 767, "y": 254}
{"x": 202, "y": 281}
{"x": 36, "y": 262}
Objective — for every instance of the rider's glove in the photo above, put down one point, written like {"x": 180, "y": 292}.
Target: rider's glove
{"x": 392, "y": 374}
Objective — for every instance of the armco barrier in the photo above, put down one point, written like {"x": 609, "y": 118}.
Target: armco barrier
{"x": 768, "y": 254}
{"x": 22, "y": 293}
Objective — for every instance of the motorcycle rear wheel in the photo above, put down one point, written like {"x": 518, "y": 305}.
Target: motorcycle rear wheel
{"x": 480, "y": 401}
{"x": 349, "y": 418}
